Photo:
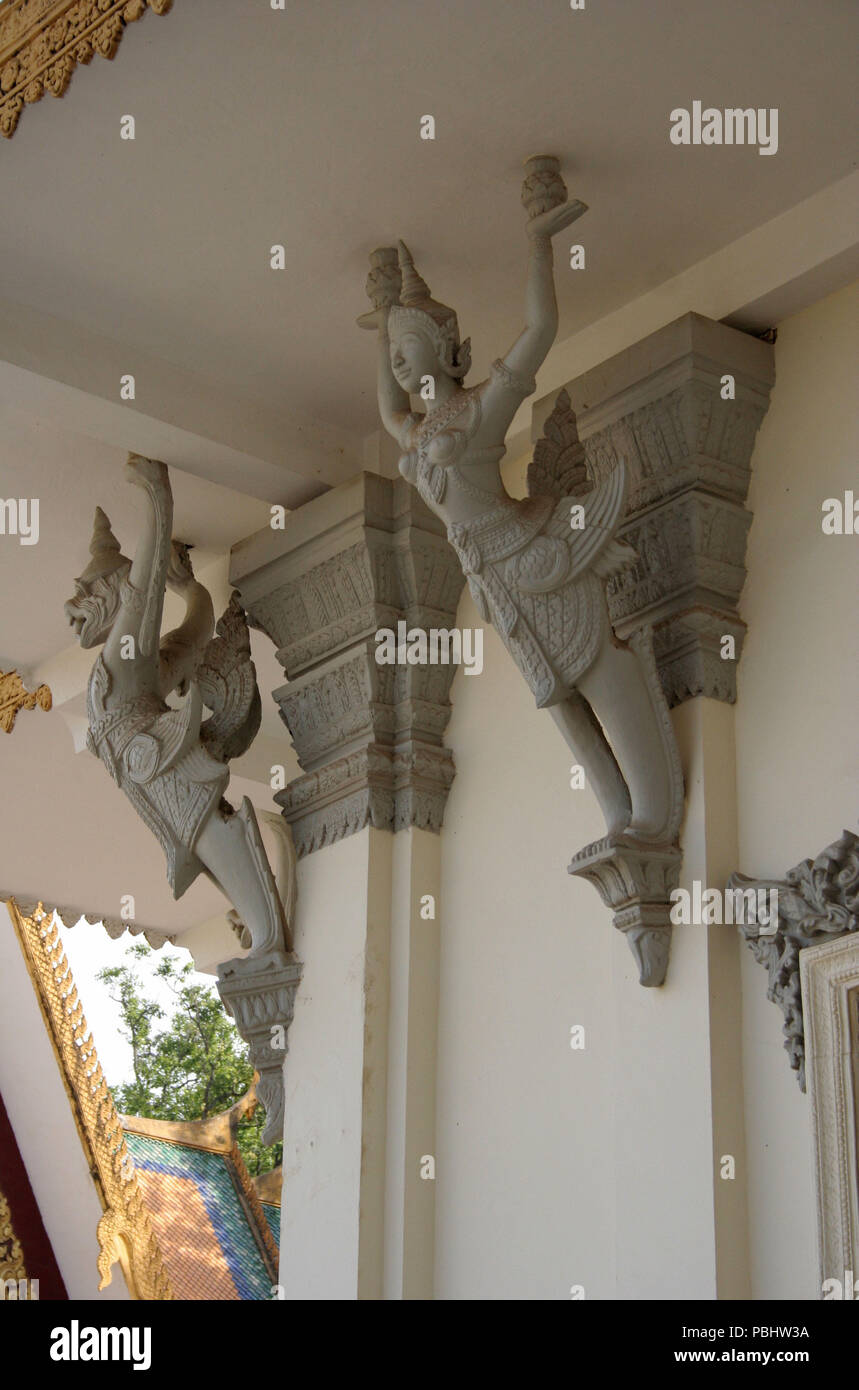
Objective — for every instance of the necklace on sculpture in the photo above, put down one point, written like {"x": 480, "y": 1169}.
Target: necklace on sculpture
{"x": 433, "y": 422}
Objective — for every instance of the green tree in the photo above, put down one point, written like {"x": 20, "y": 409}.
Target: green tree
{"x": 188, "y": 1064}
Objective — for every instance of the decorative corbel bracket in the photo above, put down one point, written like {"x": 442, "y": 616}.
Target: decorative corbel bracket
{"x": 259, "y": 994}
{"x": 818, "y": 900}
{"x": 635, "y": 883}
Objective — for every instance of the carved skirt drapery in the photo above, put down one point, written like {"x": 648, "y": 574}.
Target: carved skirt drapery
{"x": 540, "y": 582}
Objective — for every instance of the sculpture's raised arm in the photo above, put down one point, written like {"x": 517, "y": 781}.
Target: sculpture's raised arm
{"x": 545, "y": 197}
{"x": 142, "y": 591}
{"x": 183, "y": 647}
{"x": 394, "y": 405}
{"x": 383, "y": 286}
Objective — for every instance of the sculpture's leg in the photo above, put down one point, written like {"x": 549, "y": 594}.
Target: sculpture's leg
{"x": 584, "y": 736}
{"x": 259, "y": 989}
{"x": 621, "y": 686}
{"x": 636, "y": 870}
{"x": 231, "y": 848}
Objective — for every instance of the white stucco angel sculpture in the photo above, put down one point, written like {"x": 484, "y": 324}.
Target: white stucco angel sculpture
{"x": 172, "y": 763}
{"x": 533, "y": 573}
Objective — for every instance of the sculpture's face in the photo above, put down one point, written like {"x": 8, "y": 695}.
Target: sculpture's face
{"x": 93, "y": 609}
{"x": 413, "y": 357}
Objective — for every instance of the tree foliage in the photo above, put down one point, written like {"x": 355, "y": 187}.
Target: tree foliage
{"x": 189, "y": 1063}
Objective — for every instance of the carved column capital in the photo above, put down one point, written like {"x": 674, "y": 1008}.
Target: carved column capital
{"x": 364, "y": 556}
{"x": 682, "y": 408}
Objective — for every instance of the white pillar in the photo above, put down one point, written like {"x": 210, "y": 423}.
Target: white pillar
{"x": 358, "y": 1216}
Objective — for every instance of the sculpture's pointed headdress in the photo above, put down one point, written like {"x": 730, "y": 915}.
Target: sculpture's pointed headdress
{"x": 104, "y": 549}
{"x": 429, "y": 316}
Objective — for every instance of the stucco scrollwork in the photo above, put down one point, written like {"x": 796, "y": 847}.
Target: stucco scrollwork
{"x": 818, "y": 901}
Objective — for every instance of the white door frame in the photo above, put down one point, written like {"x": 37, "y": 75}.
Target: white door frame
{"x": 829, "y": 972}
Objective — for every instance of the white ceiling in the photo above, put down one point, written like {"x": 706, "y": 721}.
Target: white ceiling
{"x": 300, "y": 127}
{"x": 71, "y": 475}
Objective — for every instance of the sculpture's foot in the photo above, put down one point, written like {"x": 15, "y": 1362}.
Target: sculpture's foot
{"x": 634, "y": 878}
{"x": 258, "y": 991}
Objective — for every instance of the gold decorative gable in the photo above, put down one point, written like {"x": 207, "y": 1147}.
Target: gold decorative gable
{"x": 42, "y": 42}
{"x": 11, "y": 1253}
{"x": 125, "y": 1231}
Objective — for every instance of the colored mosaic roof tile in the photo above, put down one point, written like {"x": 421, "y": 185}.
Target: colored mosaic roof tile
{"x": 203, "y": 1224}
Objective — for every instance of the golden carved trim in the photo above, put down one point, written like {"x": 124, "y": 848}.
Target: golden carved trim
{"x": 11, "y": 1252}
{"x": 42, "y": 42}
{"x": 217, "y": 1134}
{"x": 14, "y": 698}
{"x": 271, "y": 1253}
{"x": 125, "y": 1231}
{"x": 114, "y": 926}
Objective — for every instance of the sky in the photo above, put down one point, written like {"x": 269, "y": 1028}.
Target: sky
{"x": 89, "y": 949}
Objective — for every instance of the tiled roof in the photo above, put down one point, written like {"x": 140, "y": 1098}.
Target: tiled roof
{"x": 217, "y": 1239}
{"x": 272, "y": 1216}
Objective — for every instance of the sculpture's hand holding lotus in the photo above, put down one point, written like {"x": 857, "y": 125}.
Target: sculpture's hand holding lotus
{"x": 554, "y": 220}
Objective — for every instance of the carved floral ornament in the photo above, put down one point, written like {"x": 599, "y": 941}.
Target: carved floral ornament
{"x": 42, "y": 42}
{"x": 818, "y": 901}
{"x": 11, "y": 1252}
{"x": 14, "y": 698}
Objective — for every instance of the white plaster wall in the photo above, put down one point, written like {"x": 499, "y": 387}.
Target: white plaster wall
{"x": 797, "y": 760}
{"x": 556, "y": 1167}
{"x": 524, "y": 1191}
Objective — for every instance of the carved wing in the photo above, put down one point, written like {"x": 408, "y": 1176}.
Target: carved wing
{"x": 227, "y": 680}
{"x": 558, "y": 466}
{"x": 594, "y": 547}
{"x": 170, "y": 737}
